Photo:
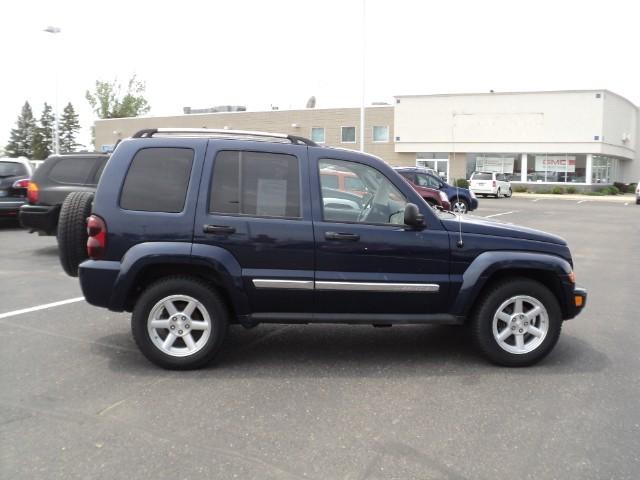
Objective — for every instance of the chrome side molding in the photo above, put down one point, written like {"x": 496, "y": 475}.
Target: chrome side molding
{"x": 345, "y": 286}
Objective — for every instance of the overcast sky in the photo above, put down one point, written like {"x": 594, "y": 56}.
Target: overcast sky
{"x": 279, "y": 52}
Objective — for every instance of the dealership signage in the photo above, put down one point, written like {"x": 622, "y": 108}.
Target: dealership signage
{"x": 556, "y": 163}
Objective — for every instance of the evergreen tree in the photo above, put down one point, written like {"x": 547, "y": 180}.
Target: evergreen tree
{"x": 21, "y": 139}
{"x": 43, "y": 136}
{"x": 69, "y": 127}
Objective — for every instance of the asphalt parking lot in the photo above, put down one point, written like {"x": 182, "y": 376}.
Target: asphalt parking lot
{"x": 326, "y": 402}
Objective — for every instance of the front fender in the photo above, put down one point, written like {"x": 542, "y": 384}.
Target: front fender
{"x": 487, "y": 264}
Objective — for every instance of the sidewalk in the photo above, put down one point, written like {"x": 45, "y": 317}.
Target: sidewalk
{"x": 624, "y": 198}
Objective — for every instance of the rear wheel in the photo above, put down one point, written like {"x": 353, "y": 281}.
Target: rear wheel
{"x": 509, "y": 193}
{"x": 498, "y": 193}
{"x": 72, "y": 231}
{"x": 517, "y": 323}
{"x": 460, "y": 205}
{"x": 179, "y": 323}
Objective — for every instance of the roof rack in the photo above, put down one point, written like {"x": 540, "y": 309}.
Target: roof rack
{"x": 150, "y": 132}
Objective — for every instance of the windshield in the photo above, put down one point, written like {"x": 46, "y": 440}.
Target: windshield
{"x": 12, "y": 169}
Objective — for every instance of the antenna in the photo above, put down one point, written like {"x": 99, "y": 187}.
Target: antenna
{"x": 460, "y": 243}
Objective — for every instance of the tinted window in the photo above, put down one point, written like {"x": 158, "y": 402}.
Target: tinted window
{"x": 255, "y": 183}
{"x": 98, "y": 174}
{"x": 328, "y": 180}
{"x": 12, "y": 169}
{"x": 73, "y": 170}
{"x": 379, "y": 201}
{"x": 427, "y": 181}
{"x": 157, "y": 180}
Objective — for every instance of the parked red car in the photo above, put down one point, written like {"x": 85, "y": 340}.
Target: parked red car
{"x": 432, "y": 196}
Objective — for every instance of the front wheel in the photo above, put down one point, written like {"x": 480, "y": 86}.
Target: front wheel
{"x": 517, "y": 323}
{"x": 460, "y": 206}
{"x": 179, "y": 323}
{"x": 509, "y": 193}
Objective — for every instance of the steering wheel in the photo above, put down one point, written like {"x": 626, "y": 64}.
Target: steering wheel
{"x": 366, "y": 209}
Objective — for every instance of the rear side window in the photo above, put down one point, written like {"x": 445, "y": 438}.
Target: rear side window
{"x": 157, "y": 180}
{"x": 73, "y": 170}
{"x": 255, "y": 183}
{"x": 328, "y": 180}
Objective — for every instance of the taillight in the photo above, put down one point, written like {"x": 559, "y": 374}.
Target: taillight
{"x": 32, "y": 193}
{"x": 21, "y": 184}
{"x": 494, "y": 183}
{"x": 97, "y": 241}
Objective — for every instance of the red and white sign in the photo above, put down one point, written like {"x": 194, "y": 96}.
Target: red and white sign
{"x": 556, "y": 163}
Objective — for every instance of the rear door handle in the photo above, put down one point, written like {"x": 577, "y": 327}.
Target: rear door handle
{"x": 346, "y": 237}
{"x": 218, "y": 229}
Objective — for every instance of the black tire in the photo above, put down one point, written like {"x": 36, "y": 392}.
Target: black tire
{"x": 482, "y": 322}
{"x": 72, "y": 231}
{"x": 510, "y": 193}
{"x": 180, "y": 286}
{"x": 497, "y": 195}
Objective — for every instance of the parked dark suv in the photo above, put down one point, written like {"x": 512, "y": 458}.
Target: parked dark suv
{"x": 195, "y": 230}
{"x": 58, "y": 176}
{"x": 462, "y": 200}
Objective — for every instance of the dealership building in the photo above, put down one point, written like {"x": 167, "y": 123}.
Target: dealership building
{"x": 577, "y": 137}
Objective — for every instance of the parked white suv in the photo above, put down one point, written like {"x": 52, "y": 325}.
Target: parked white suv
{"x": 490, "y": 183}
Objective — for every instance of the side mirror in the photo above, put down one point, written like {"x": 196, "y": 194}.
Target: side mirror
{"x": 412, "y": 216}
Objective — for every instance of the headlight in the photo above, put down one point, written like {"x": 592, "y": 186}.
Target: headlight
{"x": 443, "y": 196}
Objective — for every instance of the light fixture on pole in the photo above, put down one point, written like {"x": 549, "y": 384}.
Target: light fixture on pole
{"x": 56, "y": 132}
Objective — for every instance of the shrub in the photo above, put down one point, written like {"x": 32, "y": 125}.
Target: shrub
{"x": 543, "y": 191}
{"x": 521, "y": 189}
{"x": 613, "y": 190}
{"x": 572, "y": 189}
{"x": 599, "y": 193}
{"x": 622, "y": 187}
{"x": 557, "y": 191}
{"x": 462, "y": 183}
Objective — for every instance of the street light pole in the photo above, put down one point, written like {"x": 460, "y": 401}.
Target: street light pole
{"x": 56, "y": 132}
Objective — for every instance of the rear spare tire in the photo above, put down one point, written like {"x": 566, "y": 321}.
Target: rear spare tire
{"x": 72, "y": 231}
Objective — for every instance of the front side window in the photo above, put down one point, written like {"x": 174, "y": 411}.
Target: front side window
{"x": 157, "y": 180}
{"x": 376, "y": 200}
{"x": 317, "y": 134}
{"x": 381, "y": 134}
{"x": 348, "y": 135}
{"x": 255, "y": 183}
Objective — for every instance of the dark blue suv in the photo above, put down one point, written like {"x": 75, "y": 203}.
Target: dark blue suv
{"x": 462, "y": 200}
{"x": 195, "y": 230}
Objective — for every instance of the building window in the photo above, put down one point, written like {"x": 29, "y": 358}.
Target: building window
{"x": 438, "y": 162}
{"x": 317, "y": 134}
{"x": 381, "y": 134}
{"x": 348, "y": 135}
{"x": 556, "y": 168}
{"x": 603, "y": 169}
{"x": 507, "y": 163}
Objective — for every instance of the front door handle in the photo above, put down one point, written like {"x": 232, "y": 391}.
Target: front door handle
{"x": 347, "y": 237}
{"x": 218, "y": 229}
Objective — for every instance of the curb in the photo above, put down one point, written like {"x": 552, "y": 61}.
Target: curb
{"x": 605, "y": 198}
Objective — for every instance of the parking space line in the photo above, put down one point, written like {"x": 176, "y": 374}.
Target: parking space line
{"x": 499, "y": 214}
{"x": 41, "y": 307}
{"x": 582, "y": 201}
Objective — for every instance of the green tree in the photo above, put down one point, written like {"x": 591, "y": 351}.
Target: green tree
{"x": 43, "y": 135}
{"x": 21, "y": 139}
{"x": 109, "y": 101}
{"x": 69, "y": 128}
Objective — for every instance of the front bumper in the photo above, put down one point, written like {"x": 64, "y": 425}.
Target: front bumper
{"x": 40, "y": 218}
{"x": 576, "y": 303}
